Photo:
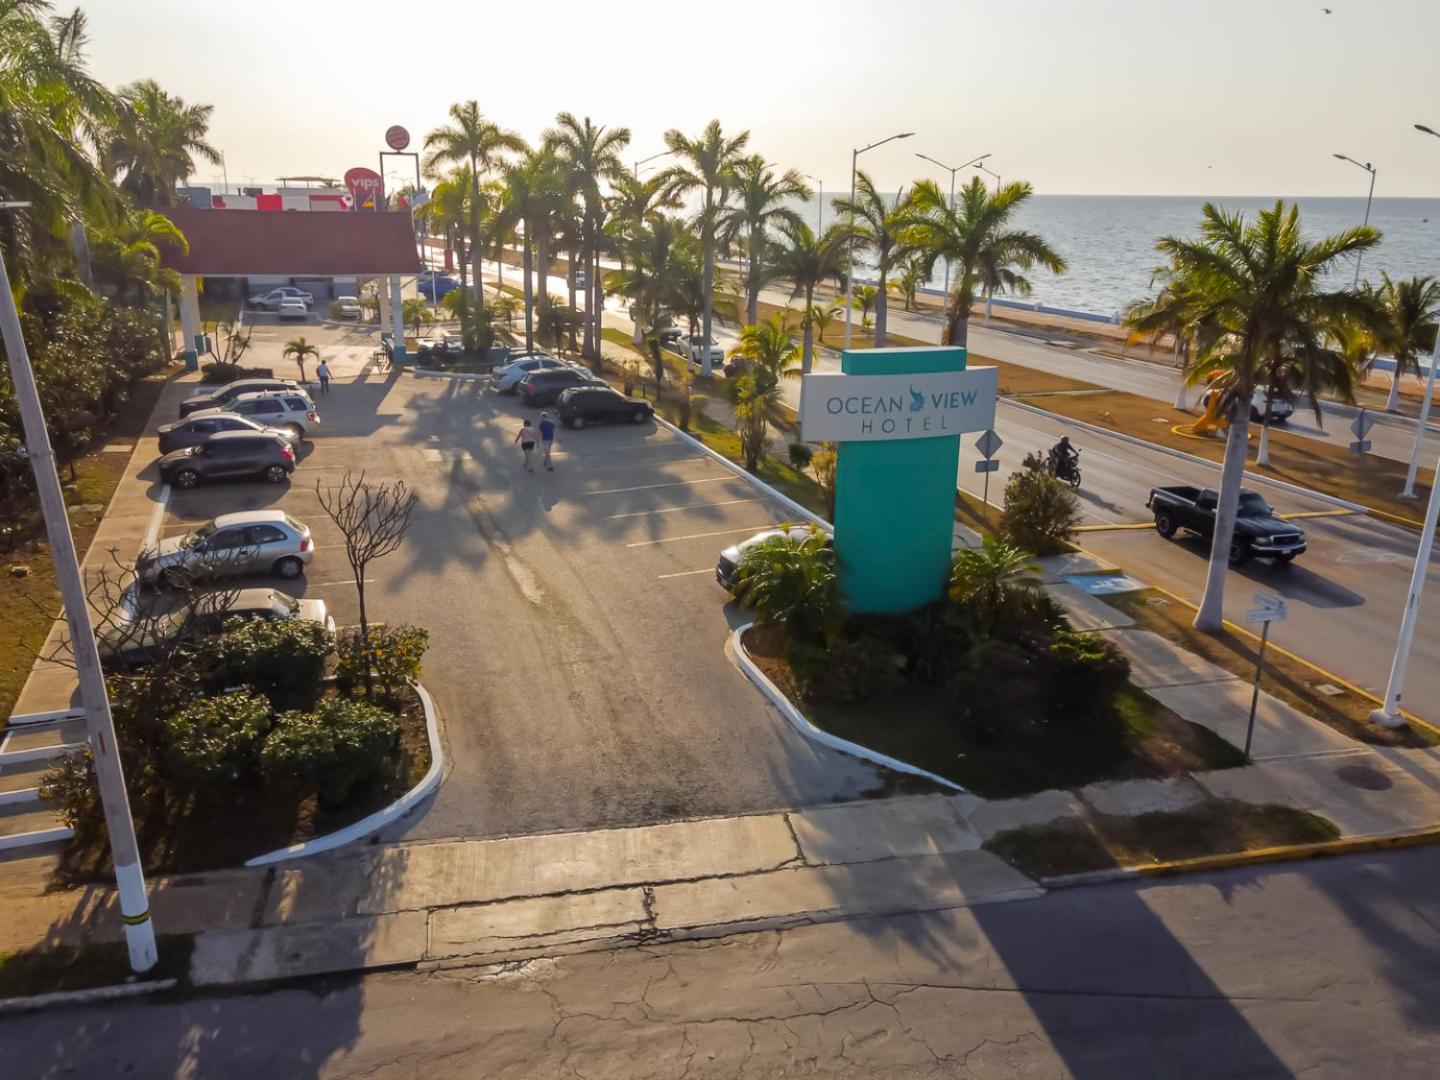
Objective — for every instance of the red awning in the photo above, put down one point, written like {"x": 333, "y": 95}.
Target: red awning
{"x": 244, "y": 243}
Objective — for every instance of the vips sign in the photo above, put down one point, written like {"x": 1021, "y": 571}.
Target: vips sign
{"x": 366, "y": 187}
{"x": 866, "y": 408}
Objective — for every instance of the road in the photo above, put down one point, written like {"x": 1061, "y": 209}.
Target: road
{"x": 1325, "y": 969}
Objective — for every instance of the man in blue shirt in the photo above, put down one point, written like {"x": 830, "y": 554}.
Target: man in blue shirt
{"x": 547, "y": 437}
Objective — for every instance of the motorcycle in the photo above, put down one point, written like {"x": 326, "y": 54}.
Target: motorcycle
{"x": 1067, "y": 471}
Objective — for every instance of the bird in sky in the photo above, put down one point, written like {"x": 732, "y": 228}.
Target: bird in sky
{"x": 1327, "y": 10}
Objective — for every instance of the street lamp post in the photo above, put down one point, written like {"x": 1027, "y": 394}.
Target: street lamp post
{"x": 989, "y": 296}
{"x": 850, "y": 243}
{"x": 652, "y": 157}
{"x": 819, "y": 203}
{"x": 1368, "y": 199}
{"x": 952, "y": 172}
{"x": 109, "y": 776}
{"x": 1423, "y": 425}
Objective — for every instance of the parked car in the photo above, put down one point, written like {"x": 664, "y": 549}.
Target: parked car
{"x": 199, "y": 426}
{"x": 271, "y": 301}
{"x": 581, "y": 405}
{"x": 580, "y": 279}
{"x": 543, "y": 387}
{"x": 693, "y": 349}
{"x": 292, "y": 411}
{"x": 223, "y": 395}
{"x": 252, "y": 541}
{"x": 507, "y": 378}
{"x": 290, "y": 308}
{"x": 731, "y": 556}
{"x": 139, "y": 643}
{"x": 1280, "y": 410}
{"x": 230, "y": 455}
{"x": 1258, "y": 532}
{"x": 434, "y": 289}
{"x": 670, "y": 339}
{"x": 348, "y": 307}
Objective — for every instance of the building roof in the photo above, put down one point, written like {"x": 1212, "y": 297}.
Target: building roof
{"x": 241, "y": 243}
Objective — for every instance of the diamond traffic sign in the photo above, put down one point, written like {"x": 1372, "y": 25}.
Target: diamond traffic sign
{"x": 988, "y": 444}
{"x": 1361, "y": 446}
{"x": 1362, "y": 424}
{"x": 987, "y": 466}
{"x": 1271, "y": 609}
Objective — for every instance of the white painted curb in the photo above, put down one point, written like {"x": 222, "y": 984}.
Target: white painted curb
{"x": 56, "y": 716}
{"x": 802, "y": 724}
{"x": 1294, "y": 489}
{"x": 754, "y": 481}
{"x": 152, "y": 534}
{"x": 378, "y": 820}
{"x": 20, "y": 796}
{"x": 35, "y": 838}
{"x": 431, "y": 373}
{"x": 40, "y": 753}
{"x": 84, "y": 997}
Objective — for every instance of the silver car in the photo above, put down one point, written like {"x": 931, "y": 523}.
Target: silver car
{"x": 145, "y": 640}
{"x": 292, "y": 411}
{"x": 250, "y": 542}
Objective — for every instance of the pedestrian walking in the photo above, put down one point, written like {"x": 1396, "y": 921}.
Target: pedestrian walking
{"x": 526, "y": 438}
{"x": 323, "y": 371}
{"x": 547, "y": 437}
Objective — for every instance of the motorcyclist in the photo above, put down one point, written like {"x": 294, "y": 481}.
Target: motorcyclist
{"x": 1063, "y": 457}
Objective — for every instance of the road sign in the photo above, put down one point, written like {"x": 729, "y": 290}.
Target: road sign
{"x": 988, "y": 444}
{"x": 1361, "y": 425}
{"x": 1361, "y": 446}
{"x": 987, "y": 466}
{"x": 1271, "y": 609}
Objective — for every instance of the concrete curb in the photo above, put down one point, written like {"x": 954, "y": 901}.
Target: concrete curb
{"x": 1231, "y": 860}
{"x": 378, "y": 820}
{"x": 754, "y": 481}
{"x": 1294, "y": 489}
{"x": 801, "y": 723}
{"x": 85, "y": 997}
{"x": 54, "y": 717}
{"x": 35, "y": 838}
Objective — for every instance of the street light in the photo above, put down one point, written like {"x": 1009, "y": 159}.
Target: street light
{"x": 1371, "y": 170}
{"x": 820, "y": 203}
{"x": 109, "y": 776}
{"x": 993, "y": 173}
{"x": 989, "y": 296}
{"x": 1421, "y": 427}
{"x": 652, "y": 157}
{"x": 850, "y": 244}
{"x": 952, "y": 172}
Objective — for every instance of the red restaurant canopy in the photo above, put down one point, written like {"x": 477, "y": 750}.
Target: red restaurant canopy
{"x": 244, "y": 243}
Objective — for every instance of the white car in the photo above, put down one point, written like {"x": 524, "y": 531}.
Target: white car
{"x": 730, "y": 557}
{"x": 507, "y": 378}
{"x": 270, "y": 301}
{"x": 691, "y": 348}
{"x": 348, "y": 307}
{"x": 292, "y": 412}
{"x": 291, "y": 308}
{"x": 1280, "y": 410}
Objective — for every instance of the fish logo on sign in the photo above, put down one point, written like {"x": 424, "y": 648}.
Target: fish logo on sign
{"x": 917, "y": 400}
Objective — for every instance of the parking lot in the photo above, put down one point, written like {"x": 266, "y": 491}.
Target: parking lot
{"x": 578, "y": 639}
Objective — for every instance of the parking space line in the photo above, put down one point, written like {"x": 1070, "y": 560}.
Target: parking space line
{"x": 687, "y": 573}
{"x": 633, "y": 466}
{"x": 672, "y": 483}
{"x": 156, "y": 517}
{"x": 698, "y": 536}
{"x": 673, "y": 509}
{"x": 328, "y": 584}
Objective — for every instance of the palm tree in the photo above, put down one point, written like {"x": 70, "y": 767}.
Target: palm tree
{"x": 752, "y": 397}
{"x": 470, "y": 139}
{"x": 806, "y": 260}
{"x": 911, "y": 278}
{"x": 1411, "y": 312}
{"x": 865, "y": 298}
{"x": 1175, "y": 311}
{"x": 977, "y": 238}
{"x": 154, "y": 142}
{"x": 767, "y": 346}
{"x": 995, "y": 581}
{"x": 301, "y": 350}
{"x": 879, "y": 228}
{"x": 821, "y": 316}
{"x": 707, "y": 168}
{"x": 661, "y": 268}
{"x": 416, "y": 313}
{"x": 633, "y": 203}
{"x": 792, "y": 581}
{"x": 760, "y": 204}
{"x": 127, "y": 254}
{"x": 591, "y": 157}
{"x": 449, "y": 211}
{"x": 534, "y": 190}
{"x": 1256, "y": 285}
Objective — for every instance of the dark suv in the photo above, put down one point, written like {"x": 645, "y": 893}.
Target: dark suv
{"x": 543, "y": 387}
{"x": 230, "y": 455}
{"x": 581, "y": 405}
{"x": 224, "y": 395}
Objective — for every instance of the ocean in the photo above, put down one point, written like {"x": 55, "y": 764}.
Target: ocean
{"x": 1109, "y": 240}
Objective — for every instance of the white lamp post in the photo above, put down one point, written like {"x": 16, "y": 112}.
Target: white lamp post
{"x": 952, "y": 172}
{"x": 850, "y": 244}
{"x": 819, "y": 203}
{"x": 124, "y": 851}
{"x": 1368, "y": 198}
{"x": 652, "y": 157}
{"x": 989, "y": 297}
{"x": 1423, "y": 425}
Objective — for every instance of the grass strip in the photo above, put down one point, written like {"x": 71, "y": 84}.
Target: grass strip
{"x": 54, "y": 969}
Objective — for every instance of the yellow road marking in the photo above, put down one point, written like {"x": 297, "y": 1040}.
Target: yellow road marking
{"x": 1319, "y": 514}
{"x": 1112, "y": 528}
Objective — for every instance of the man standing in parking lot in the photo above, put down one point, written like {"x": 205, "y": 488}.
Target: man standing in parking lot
{"x": 547, "y": 437}
{"x": 526, "y": 438}
{"x": 323, "y": 371}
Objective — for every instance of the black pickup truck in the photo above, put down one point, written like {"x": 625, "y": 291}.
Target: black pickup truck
{"x": 1258, "y": 532}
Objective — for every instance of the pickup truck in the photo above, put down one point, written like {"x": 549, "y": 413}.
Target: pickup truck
{"x": 1258, "y": 532}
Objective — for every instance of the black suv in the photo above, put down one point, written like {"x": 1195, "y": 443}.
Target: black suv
{"x": 230, "y": 455}
{"x": 581, "y": 405}
{"x": 196, "y": 430}
{"x": 543, "y": 387}
{"x": 224, "y": 395}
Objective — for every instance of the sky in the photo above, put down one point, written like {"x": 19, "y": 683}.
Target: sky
{"x": 1124, "y": 97}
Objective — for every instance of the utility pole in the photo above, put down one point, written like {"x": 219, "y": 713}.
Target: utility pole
{"x": 124, "y": 851}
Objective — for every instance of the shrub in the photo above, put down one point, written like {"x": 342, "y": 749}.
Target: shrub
{"x": 937, "y": 641}
{"x": 853, "y": 671}
{"x": 341, "y": 744}
{"x": 215, "y": 372}
{"x": 1085, "y": 673}
{"x": 216, "y": 740}
{"x": 72, "y": 788}
{"x": 283, "y": 659}
{"x": 995, "y": 583}
{"x": 792, "y": 580}
{"x": 995, "y": 692}
{"x": 801, "y": 454}
{"x": 822, "y": 464}
{"x": 1041, "y": 513}
{"x": 394, "y": 654}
